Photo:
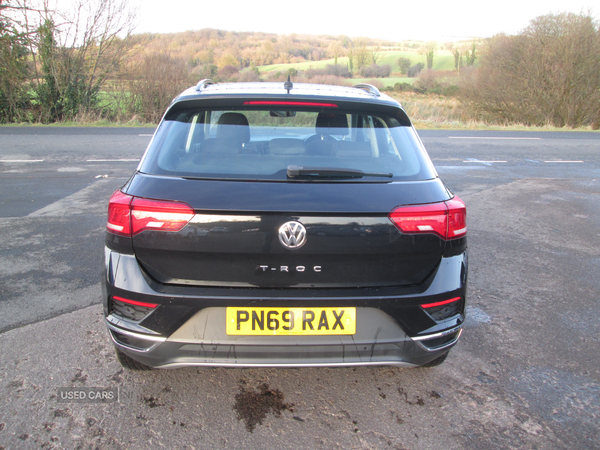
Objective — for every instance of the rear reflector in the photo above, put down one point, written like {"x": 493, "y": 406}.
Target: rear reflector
{"x": 135, "y": 302}
{"x": 447, "y": 220}
{"x": 129, "y": 216}
{"x": 442, "y": 303}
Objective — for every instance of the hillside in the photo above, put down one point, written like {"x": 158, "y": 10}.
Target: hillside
{"x": 279, "y": 53}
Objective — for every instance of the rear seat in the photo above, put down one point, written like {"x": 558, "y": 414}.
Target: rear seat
{"x": 286, "y": 146}
{"x": 345, "y": 149}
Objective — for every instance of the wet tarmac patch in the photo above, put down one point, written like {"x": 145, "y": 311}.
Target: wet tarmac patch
{"x": 477, "y": 315}
{"x": 252, "y": 407}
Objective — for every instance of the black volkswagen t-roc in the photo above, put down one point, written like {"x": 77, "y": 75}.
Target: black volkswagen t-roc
{"x": 281, "y": 224}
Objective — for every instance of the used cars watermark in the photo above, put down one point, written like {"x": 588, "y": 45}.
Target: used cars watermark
{"x": 92, "y": 395}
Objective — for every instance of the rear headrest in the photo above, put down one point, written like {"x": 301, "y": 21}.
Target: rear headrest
{"x": 240, "y": 133}
{"x": 331, "y": 123}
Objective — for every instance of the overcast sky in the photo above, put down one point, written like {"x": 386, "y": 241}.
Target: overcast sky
{"x": 394, "y": 20}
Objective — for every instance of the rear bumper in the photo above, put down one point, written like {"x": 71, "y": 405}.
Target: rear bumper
{"x": 188, "y": 328}
{"x": 201, "y": 341}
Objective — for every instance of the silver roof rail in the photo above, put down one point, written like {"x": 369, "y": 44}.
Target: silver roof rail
{"x": 203, "y": 83}
{"x": 369, "y": 88}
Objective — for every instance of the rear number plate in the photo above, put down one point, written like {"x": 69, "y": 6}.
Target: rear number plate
{"x": 291, "y": 321}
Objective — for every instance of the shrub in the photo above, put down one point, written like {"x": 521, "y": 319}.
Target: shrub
{"x": 415, "y": 70}
{"x": 376, "y": 71}
{"x": 325, "y": 79}
{"x": 339, "y": 70}
{"x": 403, "y": 87}
{"x": 336, "y": 70}
{"x": 249, "y": 75}
{"x": 547, "y": 74}
{"x": 226, "y": 73}
{"x": 440, "y": 82}
{"x": 153, "y": 82}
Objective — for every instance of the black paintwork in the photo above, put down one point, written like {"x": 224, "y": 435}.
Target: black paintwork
{"x": 291, "y": 197}
{"x": 179, "y": 302}
{"x": 230, "y": 255}
{"x": 230, "y": 249}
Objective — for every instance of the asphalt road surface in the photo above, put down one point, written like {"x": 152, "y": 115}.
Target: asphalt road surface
{"x": 525, "y": 374}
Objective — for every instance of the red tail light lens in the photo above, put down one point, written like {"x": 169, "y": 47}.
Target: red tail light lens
{"x": 119, "y": 217}
{"x": 448, "y": 220}
{"x": 128, "y": 216}
{"x": 457, "y": 218}
{"x": 159, "y": 215}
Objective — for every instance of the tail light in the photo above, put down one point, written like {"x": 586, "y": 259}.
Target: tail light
{"x": 447, "y": 220}
{"x": 129, "y": 216}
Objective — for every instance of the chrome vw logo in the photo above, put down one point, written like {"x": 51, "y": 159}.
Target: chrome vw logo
{"x": 292, "y": 235}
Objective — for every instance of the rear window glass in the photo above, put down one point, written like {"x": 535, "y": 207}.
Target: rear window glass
{"x": 272, "y": 144}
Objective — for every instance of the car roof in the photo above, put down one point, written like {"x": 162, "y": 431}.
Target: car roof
{"x": 360, "y": 92}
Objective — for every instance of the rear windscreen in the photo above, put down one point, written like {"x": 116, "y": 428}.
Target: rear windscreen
{"x": 286, "y": 145}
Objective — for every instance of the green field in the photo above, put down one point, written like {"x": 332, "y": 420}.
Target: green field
{"x": 387, "y": 82}
{"x": 442, "y": 60}
{"x": 283, "y": 68}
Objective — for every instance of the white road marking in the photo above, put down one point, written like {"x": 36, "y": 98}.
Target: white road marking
{"x": 487, "y": 163}
{"x": 21, "y": 160}
{"x": 112, "y": 160}
{"x": 84, "y": 201}
{"x": 490, "y": 137}
{"x": 150, "y": 135}
{"x": 442, "y": 168}
{"x": 571, "y": 162}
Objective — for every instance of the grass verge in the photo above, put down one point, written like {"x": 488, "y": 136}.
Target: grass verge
{"x": 427, "y": 112}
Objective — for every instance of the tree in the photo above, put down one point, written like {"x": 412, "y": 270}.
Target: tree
{"x": 361, "y": 53}
{"x": 429, "y": 52}
{"x": 546, "y": 74}
{"x": 351, "y": 60}
{"x": 470, "y": 55}
{"x": 153, "y": 82}
{"x": 228, "y": 59}
{"x": 403, "y": 65}
{"x": 335, "y": 49}
{"x": 13, "y": 66}
{"x": 375, "y": 53}
{"x": 457, "y": 60}
{"x": 77, "y": 52}
{"x": 48, "y": 91}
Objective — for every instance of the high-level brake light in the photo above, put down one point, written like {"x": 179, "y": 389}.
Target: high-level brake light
{"x": 447, "y": 220}
{"x": 288, "y": 103}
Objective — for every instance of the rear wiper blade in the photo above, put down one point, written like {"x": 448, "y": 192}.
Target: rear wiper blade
{"x": 297, "y": 171}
